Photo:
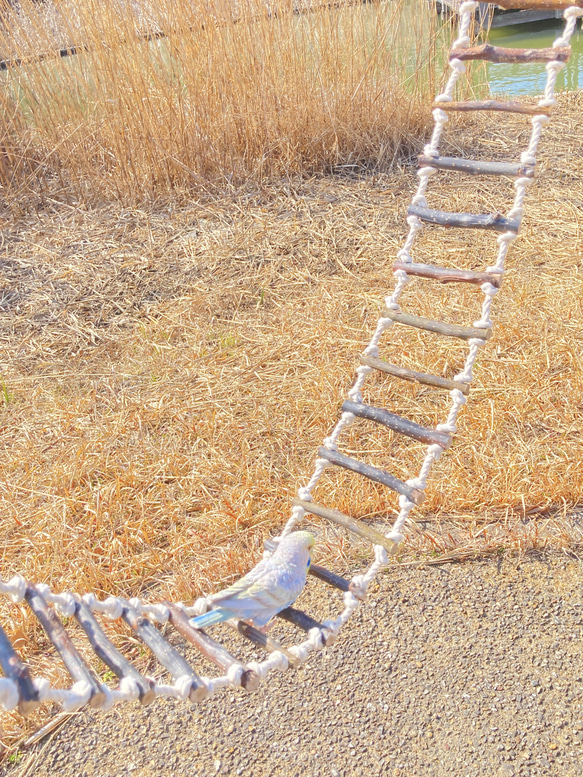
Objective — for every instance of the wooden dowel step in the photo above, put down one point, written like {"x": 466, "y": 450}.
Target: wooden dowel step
{"x": 16, "y": 670}
{"x": 535, "y": 5}
{"x": 495, "y": 105}
{"x": 168, "y": 656}
{"x": 109, "y": 654}
{"x": 305, "y": 622}
{"x": 398, "y": 424}
{"x": 372, "y": 473}
{"x": 475, "y": 167}
{"x": 494, "y": 221}
{"x": 356, "y": 527}
{"x": 439, "y": 327}
{"x": 449, "y": 274}
{"x": 262, "y": 640}
{"x": 497, "y": 54}
{"x": 413, "y": 375}
{"x": 325, "y": 575}
{"x": 210, "y": 648}
{"x": 70, "y": 656}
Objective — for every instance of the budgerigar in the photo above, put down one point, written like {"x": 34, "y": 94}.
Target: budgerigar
{"x": 268, "y": 588}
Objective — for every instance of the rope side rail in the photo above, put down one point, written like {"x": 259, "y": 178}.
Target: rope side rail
{"x": 19, "y": 690}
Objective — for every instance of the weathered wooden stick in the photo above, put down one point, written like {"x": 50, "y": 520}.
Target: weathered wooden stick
{"x": 168, "y": 656}
{"x": 56, "y": 633}
{"x": 210, "y": 648}
{"x": 356, "y": 527}
{"x": 372, "y": 473}
{"x": 325, "y": 575}
{"x": 527, "y": 5}
{"x": 262, "y": 640}
{"x": 15, "y": 669}
{"x": 497, "y": 54}
{"x": 495, "y": 105}
{"x": 439, "y": 327}
{"x": 109, "y": 654}
{"x": 475, "y": 167}
{"x": 413, "y": 375}
{"x": 398, "y": 424}
{"x": 305, "y": 622}
{"x": 449, "y": 274}
{"x": 494, "y": 221}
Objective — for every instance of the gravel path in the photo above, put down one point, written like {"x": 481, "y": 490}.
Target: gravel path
{"x": 463, "y": 670}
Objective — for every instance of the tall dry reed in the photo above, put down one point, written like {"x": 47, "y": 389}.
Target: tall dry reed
{"x": 179, "y": 93}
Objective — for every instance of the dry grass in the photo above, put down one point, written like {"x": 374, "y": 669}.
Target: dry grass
{"x": 232, "y": 92}
{"x": 170, "y": 372}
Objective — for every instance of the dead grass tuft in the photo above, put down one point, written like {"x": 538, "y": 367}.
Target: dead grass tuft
{"x": 175, "y": 95}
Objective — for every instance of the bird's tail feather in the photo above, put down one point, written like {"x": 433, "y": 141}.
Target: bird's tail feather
{"x": 211, "y": 617}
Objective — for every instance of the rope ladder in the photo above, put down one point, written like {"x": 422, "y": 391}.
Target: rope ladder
{"x": 20, "y": 690}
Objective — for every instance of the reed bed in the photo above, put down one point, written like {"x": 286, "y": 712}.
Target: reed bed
{"x": 176, "y": 94}
{"x": 171, "y": 371}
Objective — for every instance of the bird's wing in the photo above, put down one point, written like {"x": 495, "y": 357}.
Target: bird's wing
{"x": 275, "y": 588}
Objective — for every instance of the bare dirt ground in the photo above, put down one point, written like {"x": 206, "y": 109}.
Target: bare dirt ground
{"x": 468, "y": 670}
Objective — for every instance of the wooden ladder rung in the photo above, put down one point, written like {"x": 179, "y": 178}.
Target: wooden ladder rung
{"x": 439, "y": 327}
{"x": 70, "y": 656}
{"x": 449, "y": 274}
{"x": 535, "y": 5}
{"x": 210, "y": 648}
{"x": 398, "y": 424}
{"x": 413, "y": 375}
{"x": 500, "y": 55}
{"x": 352, "y": 524}
{"x": 262, "y": 640}
{"x": 305, "y": 622}
{"x": 109, "y": 654}
{"x": 16, "y": 670}
{"x": 168, "y": 656}
{"x": 372, "y": 473}
{"x": 493, "y": 221}
{"x": 495, "y": 105}
{"x": 476, "y": 167}
{"x": 323, "y": 574}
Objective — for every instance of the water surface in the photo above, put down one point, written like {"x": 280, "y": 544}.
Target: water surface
{"x": 530, "y": 79}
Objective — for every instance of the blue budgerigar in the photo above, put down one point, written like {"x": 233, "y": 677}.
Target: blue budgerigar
{"x": 268, "y": 588}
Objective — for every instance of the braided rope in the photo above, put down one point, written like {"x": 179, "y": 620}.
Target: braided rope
{"x": 78, "y": 695}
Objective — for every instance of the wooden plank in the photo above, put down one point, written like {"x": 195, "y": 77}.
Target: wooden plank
{"x": 109, "y": 654}
{"x": 512, "y": 18}
{"x": 352, "y": 524}
{"x": 305, "y": 622}
{"x": 474, "y": 167}
{"x": 210, "y": 648}
{"x": 412, "y": 375}
{"x": 439, "y": 327}
{"x": 168, "y": 656}
{"x": 489, "y": 53}
{"x": 325, "y": 575}
{"x": 525, "y": 5}
{"x": 262, "y": 640}
{"x": 69, "y": 654}
{"x": 449, "y": 274}
{"x": 16, "y": 670}
{"x": 493, "y": 221}
{"x": 398, "y": 424}
{"x": 495, "y": 105}
{"x": 372, "y": 473}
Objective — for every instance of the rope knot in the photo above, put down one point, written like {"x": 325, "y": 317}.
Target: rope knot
{"x": 358, "y": 587}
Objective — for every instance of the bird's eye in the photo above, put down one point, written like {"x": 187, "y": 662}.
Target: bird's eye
{"x": 309, "y": 562}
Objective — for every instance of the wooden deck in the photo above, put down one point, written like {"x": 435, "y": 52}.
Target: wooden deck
{"x": 499, "y": 18}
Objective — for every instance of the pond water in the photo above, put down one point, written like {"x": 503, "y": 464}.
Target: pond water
{"x": 530, "y": 79}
